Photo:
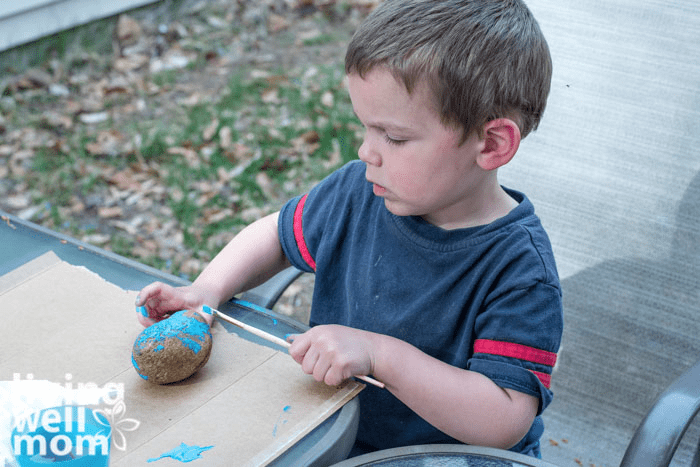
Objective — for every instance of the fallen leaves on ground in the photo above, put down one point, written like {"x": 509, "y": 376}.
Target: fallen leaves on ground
{"x": 86, "y": 140}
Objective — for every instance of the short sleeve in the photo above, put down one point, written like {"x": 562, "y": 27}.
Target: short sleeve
{"x": 305, "y": 220}
{"x": 517, "y": 339}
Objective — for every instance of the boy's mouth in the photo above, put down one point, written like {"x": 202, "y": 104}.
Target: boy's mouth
{"x": 378, "y": 189}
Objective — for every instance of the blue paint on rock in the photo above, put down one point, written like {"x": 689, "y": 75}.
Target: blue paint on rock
{"x": 190, "y": 331}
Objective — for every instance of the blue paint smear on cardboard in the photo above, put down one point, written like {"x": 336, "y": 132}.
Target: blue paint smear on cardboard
{"x": 183, "y": 453}
{"x": 287, "y": 408}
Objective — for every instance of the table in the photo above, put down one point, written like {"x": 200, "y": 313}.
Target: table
{"x": 22, "y": 241}
{"x": 442, "y": 455}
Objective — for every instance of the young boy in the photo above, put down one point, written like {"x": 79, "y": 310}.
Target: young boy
{"x": 431, "y": 276}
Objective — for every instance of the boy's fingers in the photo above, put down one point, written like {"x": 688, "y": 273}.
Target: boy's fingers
{"x": 299, "y": 347}
{"x": 147, "y": 293}
{"x": 143, "y": 316}
{"x": 142, "y": 311}
{"x": 207, "y": 313}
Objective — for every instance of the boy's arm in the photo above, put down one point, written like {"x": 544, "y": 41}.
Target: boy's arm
{"x": 249, "y": 259}
{"x": 465, "y": 405}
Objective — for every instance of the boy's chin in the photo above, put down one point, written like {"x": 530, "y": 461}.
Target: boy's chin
{"x": 400, "y": 209}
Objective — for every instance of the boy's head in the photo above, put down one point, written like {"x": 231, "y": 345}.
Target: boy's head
{"x": 482, "y": 59}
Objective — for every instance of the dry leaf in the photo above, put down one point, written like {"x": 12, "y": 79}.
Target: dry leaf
{"x": 110, "y": 143}
{"x": 240, "y": 153}
{"x": 225, "y": 138}
{"x": 214, "y": 215}
{"x": 191, "y": 266}
{"x": 210, "y": 130}
{"x": 335, "y": 157}
{"x": 266, "y": 184}
{"x": 110, "y": 212}
{"x": 191, "y": 101}
{"x": 190, "y": 155}
{"x": 130, "y": 62}
{"x": 20, "y": 201}
{"x": 57, "y": 120}
{"x": 327, "y": 99}
{"x": 36, "y": 78}
{"x": 6, "y": 150}
{"x": 307, "y": 143}
{"x": 128, "y": 30}
{"x": 125, "y": 180}
{"x": 93, "y": 118}
{"x": 310, "y": 137}
{"x": 97, "y": 239}
{"x": 305, "y": 36}
{"x": 270, "y": 96}
{"x": 172, "y": 60}
{"x": 126, "y": 226}
{"x": 277, "y": 23}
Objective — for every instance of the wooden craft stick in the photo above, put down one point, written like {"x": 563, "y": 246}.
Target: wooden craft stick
{"x": 276, "y": 340}
{"x": 251, "y": 329}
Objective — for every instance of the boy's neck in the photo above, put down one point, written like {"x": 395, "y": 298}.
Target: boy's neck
{"x": 484, "y": 206}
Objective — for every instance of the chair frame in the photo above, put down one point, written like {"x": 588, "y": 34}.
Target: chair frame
{"x": 658, "y": 436}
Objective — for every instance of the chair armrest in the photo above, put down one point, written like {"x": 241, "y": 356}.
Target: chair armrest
{"x": 658, "y": 436}
{"x": 267, "y": 294}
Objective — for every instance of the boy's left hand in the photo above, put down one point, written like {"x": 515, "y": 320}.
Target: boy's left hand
{"x": 333, "y": 353}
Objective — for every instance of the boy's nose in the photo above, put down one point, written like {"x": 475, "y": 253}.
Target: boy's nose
{"x": 368, "y": 155}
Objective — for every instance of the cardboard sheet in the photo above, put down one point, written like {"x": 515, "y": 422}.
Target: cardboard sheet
{"x": 66, "y": 325}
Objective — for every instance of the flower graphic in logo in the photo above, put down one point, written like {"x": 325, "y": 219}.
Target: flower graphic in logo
{"x": 119, "y": 424}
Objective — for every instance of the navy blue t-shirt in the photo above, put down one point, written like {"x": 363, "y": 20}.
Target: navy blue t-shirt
{"x": 486, "y": 298}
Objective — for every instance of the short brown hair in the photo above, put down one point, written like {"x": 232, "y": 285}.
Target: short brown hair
{"x": 483, "y": 59}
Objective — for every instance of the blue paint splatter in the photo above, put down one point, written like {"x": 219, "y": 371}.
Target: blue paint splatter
{"x": 286, "y": 409}
{"x": 159, "y": 348}
{"x": 190, "y": 331}
{"x": 183, "y": 453}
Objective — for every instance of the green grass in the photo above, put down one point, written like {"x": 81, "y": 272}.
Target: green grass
{"x": 212, "y": 191}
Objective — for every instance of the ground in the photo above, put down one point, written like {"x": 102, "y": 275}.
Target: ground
{"x": 160, "y": 133}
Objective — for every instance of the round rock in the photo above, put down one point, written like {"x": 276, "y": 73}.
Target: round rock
{"x": 172, "y": 349}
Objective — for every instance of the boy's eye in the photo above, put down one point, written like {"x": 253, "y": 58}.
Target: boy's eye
{"x": 390, "y": 140}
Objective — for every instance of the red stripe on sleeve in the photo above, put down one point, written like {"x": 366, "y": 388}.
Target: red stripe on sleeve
{"x": 299, "y": 234}
{"x": 544, "y": 378}
{"x": 521, "y": 352}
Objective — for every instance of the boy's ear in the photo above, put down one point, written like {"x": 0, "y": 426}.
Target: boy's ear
{"x": 501, "y": 138}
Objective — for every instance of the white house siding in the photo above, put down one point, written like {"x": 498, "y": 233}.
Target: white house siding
{"x": 22, "y": 21}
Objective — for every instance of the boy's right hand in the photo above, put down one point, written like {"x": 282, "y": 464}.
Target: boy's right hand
{"x": 157, "y": 301}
